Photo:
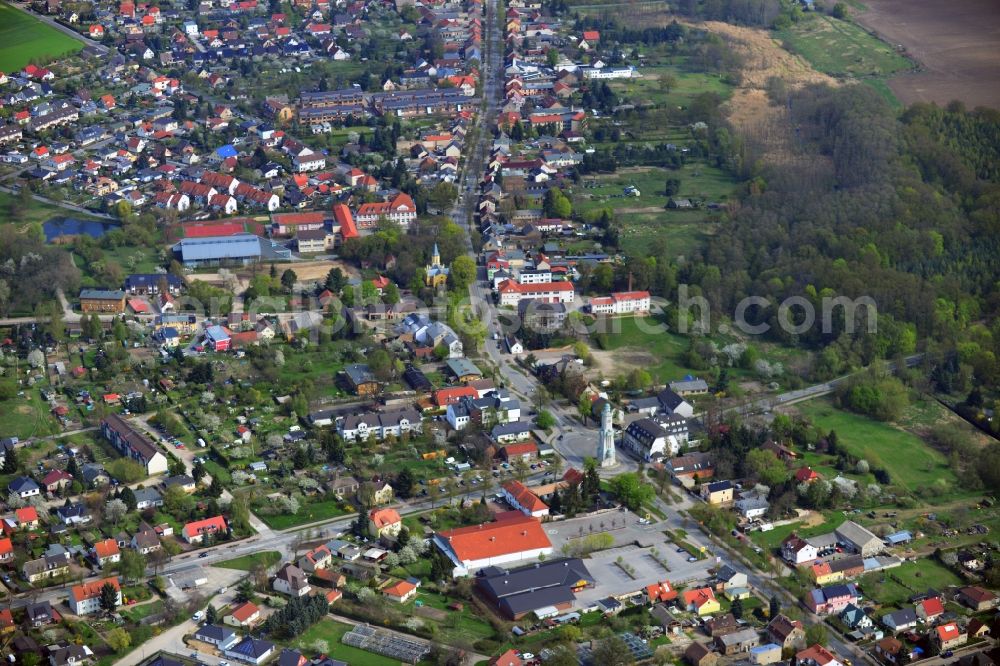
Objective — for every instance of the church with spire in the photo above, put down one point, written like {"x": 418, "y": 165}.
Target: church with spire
{"x": 435, "y": 275}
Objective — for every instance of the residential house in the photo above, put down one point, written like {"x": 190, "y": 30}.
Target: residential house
{"x": 727, "y": 578}
{"x": 44, "y": 568}
{"x": 147, "y": 498}
{"x": 856, "y": 619}
{"x": 929, "y": 609}
{"x": 976, "y": 598}
{"x": 39, "y": 614}
{"x": 27, "y": 517}
{"x": 948, "y": 636}
{"x": 74, "y": 514}
{"x": 250, "y": 650}
{"x": 701, "y": 601}
{"x": 660, "y": 592}
{"x": 245, "y": 615}
{"x": 56, "y": 480}
{"x": 816, "y": 655}
{"x": 739, "y": 641}
{"x": 717, "y": 492}
{"x": 213, "y": 634}
{"x": 317, "y": 559}
{"x": 786, "y": 632}
{"x": 85, "y": 599}
{"x": 401, "y": 592}
{"x": 521, "y": 498}
{"x": 797, "y": 551}
{"x": 196, "y": 531}
{"x": 890, "y": 650}
{"x": 292, "y": 581}
{"x": 133, "y": 444}
{"x": 832, "y": 599}
{"x": 24, "y": 487}
{"x": 700, "y": 654}
{"x": 6, "y": 549}
{"x": 106, "y": 552}
{"x": 361, "y": 380}
{"x": 384, "y": 523}
{"x": 145, "y": 541}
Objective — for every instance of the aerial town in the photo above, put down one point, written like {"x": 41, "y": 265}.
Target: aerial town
{"x": 498, "y": 332}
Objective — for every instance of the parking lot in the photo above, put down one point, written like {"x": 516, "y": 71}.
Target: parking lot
{"x": 634, "y": 543}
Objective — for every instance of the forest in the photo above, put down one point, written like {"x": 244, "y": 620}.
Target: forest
{"x": 903, "y": 208}
{"x": 31, "y": 271}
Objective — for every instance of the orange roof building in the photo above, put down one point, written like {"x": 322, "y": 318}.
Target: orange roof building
{"x": 401, "y": 592}
{"x": 107, "y": 551}
{"x": 86, "y": 598}
{"x": 27, "y": 516}
{"x": 400, "y": 209}
{"x": 195, "y": 532}
{"x": 384, "y": 522}
{"x": 512, "y": 537}
{"x": 521, "y": 498}
{"x": 244, "y": 615}
{"x": 452, "y": 395}
{"x": 816, "y": 655}
{"x": 343, "y": 218}
{"x": 661, "y": 592}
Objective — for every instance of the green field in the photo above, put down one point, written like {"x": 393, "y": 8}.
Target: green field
{"x": 26, "y": 416}
{"x": 666, "y": 347}
{"x": 683, "y": 85}
{"x": 894, "y": 586}
{"x": 842, "y": 48}
{"x": 909, "y": 460}
{"x": 309, "y": 513}
{"x": 248, "y": 562}
{"x": 25, "y": 39}
{"x": 331, "y": 632}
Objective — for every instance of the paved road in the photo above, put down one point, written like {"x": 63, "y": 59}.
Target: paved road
{"x": 764, "y": 583}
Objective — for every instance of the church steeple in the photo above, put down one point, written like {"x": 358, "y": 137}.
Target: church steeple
{"x": 436, "y": 256}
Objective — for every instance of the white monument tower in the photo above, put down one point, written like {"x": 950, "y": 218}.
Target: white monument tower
{"x": 606, "y": 444}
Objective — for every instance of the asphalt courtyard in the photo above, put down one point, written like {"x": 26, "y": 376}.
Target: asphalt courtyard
{"x": 634, "y": 544}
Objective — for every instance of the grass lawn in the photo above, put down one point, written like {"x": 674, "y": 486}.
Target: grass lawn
{"x": 218, "y": 471}
{"x": 652, "y": 86}
{"x": 26, "y": 416}
{"x": 331, "y": 632}
{"x": 842, "y": 48}
{"x": 308, "y": 513}
{"x": 136, "y": 613}
{"x": 925, "y": 573}
{"x": 771, "y": 539}
{"x": 457, "y": 624}
{"x": 24, "y": 38}
{"x": 665, "y": 347}
{"x": 248, "y": 562}
{"x": 909, "y": 460}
